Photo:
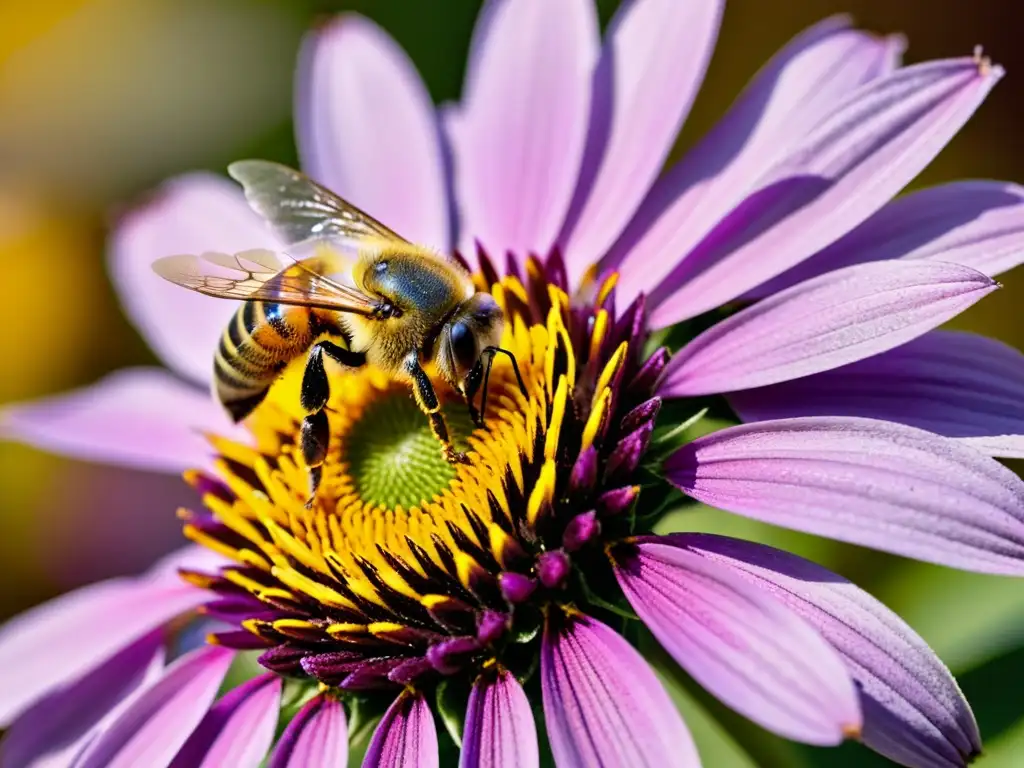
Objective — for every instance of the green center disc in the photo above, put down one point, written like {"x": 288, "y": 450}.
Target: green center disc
{"x": 394, "y": 458}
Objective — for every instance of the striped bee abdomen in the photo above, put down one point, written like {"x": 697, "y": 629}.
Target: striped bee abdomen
{"x": 259, "y": 342}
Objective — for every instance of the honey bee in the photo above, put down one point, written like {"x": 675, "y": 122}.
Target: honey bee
{"x": 365, "y": 295}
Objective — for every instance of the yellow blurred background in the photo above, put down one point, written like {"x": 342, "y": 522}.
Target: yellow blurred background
{"x": 101, "y": 99}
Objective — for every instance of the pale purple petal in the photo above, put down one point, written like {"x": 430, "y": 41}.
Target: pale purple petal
{"x": 190, "y": 214}
{"x": 805, "y": 81}
{"x": 874, "y": 483}
{"x": 317, "y": 737}
{"x": 752, "y": 653}
{"x": 952, "y": 383}
{"x": 979, "y": 224}
{"x": 143, "y": 418}
{"x": 405, "y": 737}
{"x": 519, "y": 134}
{"x": 70, "y": 712}
{"x": 847, "y": 168}
{"x": 152, "y": 730}
{"x": 238, "y": 730}
{"x": 651, "y": 67}
{"x": 499, "y": 730}
{"x": 190, "y": 557}
{"x": 65, "y": 638}
{"x": 66, "y": 756}
{"x": 368, "y": 131}
{"x": 1004, "y": 446}
{"x": 914, "y": 713}
{"x": 602, "y": 703}
{"x": 823, "y": 323}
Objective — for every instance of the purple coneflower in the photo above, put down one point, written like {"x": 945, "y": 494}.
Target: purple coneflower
{"x": 490, "y": 594}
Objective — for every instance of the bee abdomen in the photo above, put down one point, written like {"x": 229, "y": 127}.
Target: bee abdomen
{"x": 256, "y": 346}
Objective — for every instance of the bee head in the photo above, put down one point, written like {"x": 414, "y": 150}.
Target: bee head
{"x": 476, "y": 324}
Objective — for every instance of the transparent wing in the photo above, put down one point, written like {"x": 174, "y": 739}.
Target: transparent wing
{"x": 301, "y": 210}
{"x": 260, "y": 275}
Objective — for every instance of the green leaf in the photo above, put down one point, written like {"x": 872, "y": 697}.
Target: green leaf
{"x": 452, "y": 698}
{"x": 619, "y": 609}
{"x": 364, "y": 712}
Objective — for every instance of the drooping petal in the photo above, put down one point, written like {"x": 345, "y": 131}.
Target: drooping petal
{"x": 642, "y": 94}
{"x": 750, "y": 652}
{"x": 157, "y": 724}
{"x": 602, "y": 703}
{"x": 802, "y": 83}
{"x": 60, "y": 641}
{"x": 238, "y": 730}
{"x": 139, "y": 417}
{"x": 914, "y": 712}
{"x": 499, "y": 730}
{"x": 519, "y": 134}
{"x": 979, "y": 224}
{"x": 368, "y": 131}
{"x": 63, "y": 717}
{"x": 190, "y": 214}
{"x": 952, "y": 383}
{"x": 828, "y": 321}
{"x": 874, "y": 483}
{"x": 405, "y": 737}
{"x": 847, "y": 168}
{"x": 317, "y": 737}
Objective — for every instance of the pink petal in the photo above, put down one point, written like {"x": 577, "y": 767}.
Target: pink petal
{"x": 602, "y": 703}
{"x": 652, "y": 65}
{"x": 750, "y": 652}
{"x": 914, "y": 712}
{"x": 62, "y": 719}
{"x": 190, "y": 214}
{"x": 157, "y": 724}
{"x": 954, "y": 384}
{"x": 873, "y": 483}
{"x": 847, "y": 168}
{"x": 828, "y": 321}
{"x": 368, "y": 131}
{"x": 802, "y": 83}
{"x": 138, "y": 417}
{"x": 499, "y": 730}
{"x": 238, "y": 730}
{"x": 519, "y": 134}
{"x": 979, "y": 224}
{"x": 317, "y": 737}
{"x": 59, "y": 641}
{"x": 405, "y": 737}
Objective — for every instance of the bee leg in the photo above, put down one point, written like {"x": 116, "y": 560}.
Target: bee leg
{"x": 314, "y": 437}
{"x": 470, "y": 387}
{"x": 314, "y": 440}
{"x": 427, "y": 400}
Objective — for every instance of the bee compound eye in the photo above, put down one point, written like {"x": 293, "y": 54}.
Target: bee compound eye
{"x": 463, "y": 345}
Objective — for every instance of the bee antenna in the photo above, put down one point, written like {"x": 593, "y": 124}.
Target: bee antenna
{"x": 493, "y": 352}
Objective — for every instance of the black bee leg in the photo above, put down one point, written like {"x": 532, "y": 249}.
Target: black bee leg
{"x": 314, "y": 437}
{"x": 427, "y": 400}
{"x": 470, "y": 386}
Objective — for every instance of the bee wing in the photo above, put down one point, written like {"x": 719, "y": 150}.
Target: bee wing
{"x": 301, "y": 210}
{"x": 260, "y": 275}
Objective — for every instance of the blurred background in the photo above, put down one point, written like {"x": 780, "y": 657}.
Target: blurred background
{"x": 102, "y": 99}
